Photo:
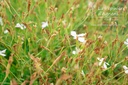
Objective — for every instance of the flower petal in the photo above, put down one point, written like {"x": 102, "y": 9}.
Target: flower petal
{"x": 81, "y": 35}
{"x": 126, "y": 71}
{"x": 44, "y": 24}
{"x": 125, "y": 67}
{"x": 6, "y": 31}
{"x": 74, "y": 52}
{"x": 73, "y": 33}
{"x": 21, "y": 26}
{"x": 2, "y": 53}
{"x": 82, "y": 39}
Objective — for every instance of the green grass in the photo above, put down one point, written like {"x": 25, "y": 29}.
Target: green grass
{"x": 39, "y": 56}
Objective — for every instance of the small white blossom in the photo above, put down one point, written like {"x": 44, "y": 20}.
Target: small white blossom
{"x": 73, "y": 33}
{"x": 126, "y": 42}
{"x": 73, "y": 52}
{"x": 44, "y": 24}
{"x": 125, "y": 69}
{"x": 2, "y": 53}
{"x": 1, "y": 21}
{"x": 21, "y": 26}
{"x": 101, "y": 62}
{"x": 6, "y": 31}
{"x": 76, "y": 51}
{"x": 80, "y": 37}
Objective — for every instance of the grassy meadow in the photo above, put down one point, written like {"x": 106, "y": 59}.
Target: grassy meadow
{"x": 63, "y": 42}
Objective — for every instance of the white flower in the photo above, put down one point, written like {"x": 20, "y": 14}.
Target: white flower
{"x": 73, "y": 33}
{"x": 126, "y": 42}
{"x": 101, "y": 62}
{"x": 21, "y": 26}
{"x": 76, "y": 51}
{"x": 125, "y": 69}
{"x": 6, "y": 31}
{"x": 80, "y": 37}
{"x": 2, "y": 53}
{"x": 44, "y": 24}
{"x": 1, "y": 21}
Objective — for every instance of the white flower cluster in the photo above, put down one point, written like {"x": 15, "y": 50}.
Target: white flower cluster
{"x": 80, "y": 37}
{"x": 102, "y": 63}
{"x": 21, "y": 26}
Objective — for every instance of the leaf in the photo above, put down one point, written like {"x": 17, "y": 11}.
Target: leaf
{"x": 8, "y": 66}
{"x": 25, "y": 46}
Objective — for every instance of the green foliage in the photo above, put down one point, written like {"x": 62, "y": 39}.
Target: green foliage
{"x": 45, "y": 55}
